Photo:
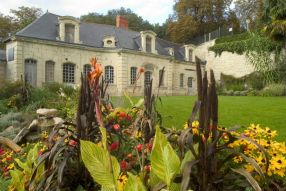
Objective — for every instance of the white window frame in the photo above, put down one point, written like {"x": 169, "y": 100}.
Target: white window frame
{"x": 109, "y": 74}
{"x": 69, "y": 73}
{"x": 49, "y": 71}
{"x": 147, "y": 77}
{"x": 133, "y": 75}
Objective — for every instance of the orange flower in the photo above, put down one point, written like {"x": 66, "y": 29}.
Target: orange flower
{"x": 97, "y": 70}
{"x": 141, "y": 70}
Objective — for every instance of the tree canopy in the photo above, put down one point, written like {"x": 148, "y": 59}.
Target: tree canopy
{"x": 136, "y": 23}
{"x": 196, "y": 17}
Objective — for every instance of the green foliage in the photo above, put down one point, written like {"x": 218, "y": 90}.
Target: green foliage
{"x": 103, "y": 167}
{"x": 22, "y": 174}
{"x": 233, "y": 38}
{"x": 9, "y": 119}
{"x": 134, "y": 183}
{"x": 274, "y": 90}
{"x": 4, "y": 183}
{"x": 251, "y": 81}
{"x": 9, "y": 89}
{"x": 164, "y": 160}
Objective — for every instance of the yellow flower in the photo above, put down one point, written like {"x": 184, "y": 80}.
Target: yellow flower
{"x": 237, "y": 159}
{"x": 186, "y": 126}
{"x": 195, "y": 131}
{"x": 195, "y": 124}
{"x": 11, "y": 166}
{"x": 44, "y": 135}
{"x": 121, "y": 181}
{"x": 4, "y": 160}
{"x": 137, "y": 134}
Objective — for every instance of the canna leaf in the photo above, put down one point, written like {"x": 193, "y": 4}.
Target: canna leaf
{"x": 134, "y": 184}
{"x": 164, "y": 161}
{"x": 103, "y": 168}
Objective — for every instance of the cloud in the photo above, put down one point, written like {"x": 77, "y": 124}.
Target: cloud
{"x": 155, "y": 11}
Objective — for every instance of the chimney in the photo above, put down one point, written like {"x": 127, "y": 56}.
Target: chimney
{"x": 121, "y": 22}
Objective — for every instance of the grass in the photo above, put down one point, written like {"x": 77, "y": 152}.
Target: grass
{"x": 241, "y": 110}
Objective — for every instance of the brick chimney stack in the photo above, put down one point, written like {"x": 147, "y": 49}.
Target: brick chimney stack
{"x": 121, "y": 22}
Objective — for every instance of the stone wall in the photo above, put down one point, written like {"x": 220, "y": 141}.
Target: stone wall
{"x": 228, "y": 63}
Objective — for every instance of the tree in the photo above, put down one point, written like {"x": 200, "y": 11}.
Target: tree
{"x": 25, "y": 15}
{"x": 275, "y": 19}
{"x": 196, "y": 17}
{"x": 6, "y": 26}
{"x": 251, "y": 10}
{"x": 136, "y": 22}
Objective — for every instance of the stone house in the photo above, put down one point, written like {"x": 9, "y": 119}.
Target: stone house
{"x": 58, "y": 49}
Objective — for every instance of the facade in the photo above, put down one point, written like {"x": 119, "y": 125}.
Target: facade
{"x": 58, "y": 49}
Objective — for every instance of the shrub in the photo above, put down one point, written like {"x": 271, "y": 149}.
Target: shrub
{"x": 10, "y": 88}
{"x": 10, "y": 119}
{"x": 274, "y": 90}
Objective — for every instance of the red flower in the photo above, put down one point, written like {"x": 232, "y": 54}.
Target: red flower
{"x": 122, "y": 114}
{"x": 114, "y": 146}
{"x": 128, "y": 118}
{"x": 139, "y": 147}
{"x": 72, "y": 143}
{"x": 148, "y": 168}
{"x": 149, "y": 147}
{"x": 141, "y": 70}
{"x": 2, "y": 151}
{"x": 123, "y": 165}
{"x": 116, "y": 127}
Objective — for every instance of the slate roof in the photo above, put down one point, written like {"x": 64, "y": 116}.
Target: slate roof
{"x": 46, "y": 27}
{"x": 2, "y": 55}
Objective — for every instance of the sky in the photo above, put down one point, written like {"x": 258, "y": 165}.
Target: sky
{"x": 155, "y": 11}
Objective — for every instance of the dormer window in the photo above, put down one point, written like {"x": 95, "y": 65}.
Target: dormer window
{"x": 148, "y": 44}
{"x": 69, "y": 33}
{"x": 189, "y": 53}
{"x": 69, "y": 29}
{"x": 148, "y": 41}
{"x": 109, "y": 42}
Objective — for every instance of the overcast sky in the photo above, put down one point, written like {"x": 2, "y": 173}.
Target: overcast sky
{"x": 155, "y": 11}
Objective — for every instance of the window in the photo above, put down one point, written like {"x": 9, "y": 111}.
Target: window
{"x": 148, "y": 44}
{"x": 31, "y": 71}
{"x": 109, "y": 74}
{"x": 86, "y": 69}
{"x": 68, "y": 73}
{"x": 147, "y": 79}
{"x": 10, "y": 54}
{"x": 181, "y": 80}
{"x": 190, "y": 82}
{"x": 49, "y": 72}
{"x": 109, "y": 42}
{"x": 133, "y": 75}
{"x": 190, "y": 55}
{"x": 69, "y": 33}
{"x": 161, "y": 75}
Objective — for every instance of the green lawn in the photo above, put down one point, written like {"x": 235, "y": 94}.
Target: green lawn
{"x": 267, "y": 111}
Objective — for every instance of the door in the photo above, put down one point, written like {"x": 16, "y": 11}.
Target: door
{"x": 31, "y": 72}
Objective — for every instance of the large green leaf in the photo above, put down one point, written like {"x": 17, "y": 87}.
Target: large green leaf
{"x": 103, "y": 167}
{"x": 165, "y": 163}
{"x": 134, "y": 184}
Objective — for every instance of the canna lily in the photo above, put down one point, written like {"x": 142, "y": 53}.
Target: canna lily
{"x": 96, "y": 72}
